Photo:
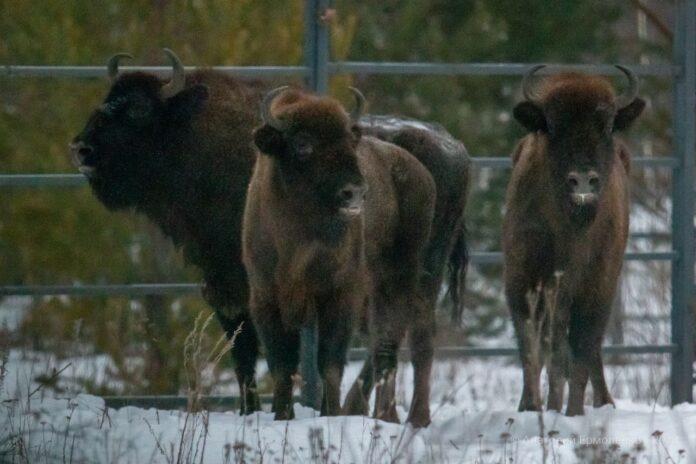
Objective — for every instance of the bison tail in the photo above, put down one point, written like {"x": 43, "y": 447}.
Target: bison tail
{"x": 458, "y": 264}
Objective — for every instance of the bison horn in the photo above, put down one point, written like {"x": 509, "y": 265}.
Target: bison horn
{"x": 527, "y": 81}
{"x": 359, "y": 104}
{"x": 112, "y": 64}
{"x": 627, "y": 97}
{"x": 266, "y": 115}
{"x": 178, "y": 81}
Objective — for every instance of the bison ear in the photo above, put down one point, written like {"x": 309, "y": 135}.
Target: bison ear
{"x": 530, "y": 116}
{"x": 626, "y": 115}
{"x": 269, "y": 140}
{"x": 188, "y": 102}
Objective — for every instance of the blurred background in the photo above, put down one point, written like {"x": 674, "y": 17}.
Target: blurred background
{"x": 64, "y": 236}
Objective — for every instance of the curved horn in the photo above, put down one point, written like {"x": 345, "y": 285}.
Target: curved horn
{"x": 527, "y": 81}
{"x": 627, "y": 97}
{"x": 178, "y": 80}
{"x": 359, "y": 104}
{"x": 112, "y": 64}
{"x": 266, "y": 115}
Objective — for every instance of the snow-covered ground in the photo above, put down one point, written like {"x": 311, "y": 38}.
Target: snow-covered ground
{"x": 473, "y": 410}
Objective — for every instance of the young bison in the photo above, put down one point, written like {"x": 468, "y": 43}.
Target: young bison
{"x": 565, "y": 229}
{"x": 332, "y": 220}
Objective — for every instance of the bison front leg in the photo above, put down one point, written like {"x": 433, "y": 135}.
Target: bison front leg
{"x": 244, "y": 355}
{"x": 530, "y": 355}
{"x": 334, "y": 336}
{"x": 558, "y": 351}
{"x": 599, "y": 384}
{"x": 283, "y": 356}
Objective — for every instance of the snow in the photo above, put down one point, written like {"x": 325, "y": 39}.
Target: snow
{"x": 473, "y": 411}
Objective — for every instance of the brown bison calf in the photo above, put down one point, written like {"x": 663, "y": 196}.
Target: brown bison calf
{"x": 565, "y": 228}
{"x": 331, "y": 219}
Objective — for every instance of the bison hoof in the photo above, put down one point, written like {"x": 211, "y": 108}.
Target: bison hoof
{"x": 529, "y": 406}
{"x": 389, "y": 415}
{"x": 572, "y": 412}
{"x": 251, "y": 406}
{"x": 419, "y": 421}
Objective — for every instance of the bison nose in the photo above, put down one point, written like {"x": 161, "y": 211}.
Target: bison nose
{"x": 584, "y": 187}
{"x": 80, "y": 151}
{"x": 352, "y": 197}
{"x": 352, "y": 192}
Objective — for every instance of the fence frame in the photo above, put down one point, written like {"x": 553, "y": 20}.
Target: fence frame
{"x": 317, "y": 70}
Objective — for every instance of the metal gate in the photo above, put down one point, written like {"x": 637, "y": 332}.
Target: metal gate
{"x": 316, "y": 71}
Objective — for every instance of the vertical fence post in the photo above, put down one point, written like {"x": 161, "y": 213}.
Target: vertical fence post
{"x": 684, "y": 122}
{"x": 316, "y": 57}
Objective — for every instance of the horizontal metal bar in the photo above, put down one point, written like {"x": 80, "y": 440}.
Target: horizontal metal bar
{"x": 100, "y": 71}
{"x": 78, "y": 180}
{"x": 489, "y": 69}
{"x": 42, "y": 180}
{"x": 94, "y": 290}
{"x": 345, "y": 67}
{"x": 188, "y": 288}
{"x": 495, "y": 257}
{"x": 504, "y": 162}
{"x": 454, "y": 352}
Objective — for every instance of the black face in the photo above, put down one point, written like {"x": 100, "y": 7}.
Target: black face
{"x": 120, "y": 150}
{"x": 580, "y": 149}
{"x": 320, "y": 168}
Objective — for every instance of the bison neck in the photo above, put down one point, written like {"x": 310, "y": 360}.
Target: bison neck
{"x": 200, "y": 207}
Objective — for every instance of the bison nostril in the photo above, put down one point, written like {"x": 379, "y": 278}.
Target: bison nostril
{"x": 85, "y": 150}
{"x": 594, "y": 180}
{"x": 573, "y": 181}
{"x": 346, "y": 194}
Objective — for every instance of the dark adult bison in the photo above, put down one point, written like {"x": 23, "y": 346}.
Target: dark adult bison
{"x": 565, "y": 229}
{"x": 181, "y": 152}
{"x": 333, "y": 220}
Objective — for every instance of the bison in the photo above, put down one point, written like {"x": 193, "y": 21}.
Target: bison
{"x": 333, "y": 221}
{"x": 448, "y": 162}
{"x": 180, "y": 152}
{"x": 565, "y": 229}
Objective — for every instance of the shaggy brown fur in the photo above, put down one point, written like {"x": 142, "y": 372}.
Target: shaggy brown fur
{"x": 448, "y": 162}
{"x": 185, "y": 162}
{"x": 544, "y": 232}
{"x": 309, "y": 260}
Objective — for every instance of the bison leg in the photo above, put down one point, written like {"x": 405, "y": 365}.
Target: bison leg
{"x": 422, "y": 359}
{"x": 389, "y": 327}
{"x": 358, "y": 397}
{"x": 530, "y": 355}
{"x": 334, "y": 335}
{"x": 581, "y": 337}
{"x": 385, "y": 361}
{"x": 558, "y": 355}
{"x": 599, "y": 384}
{"x": 244, "y": 354}
{"x": 283, "y": 356}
